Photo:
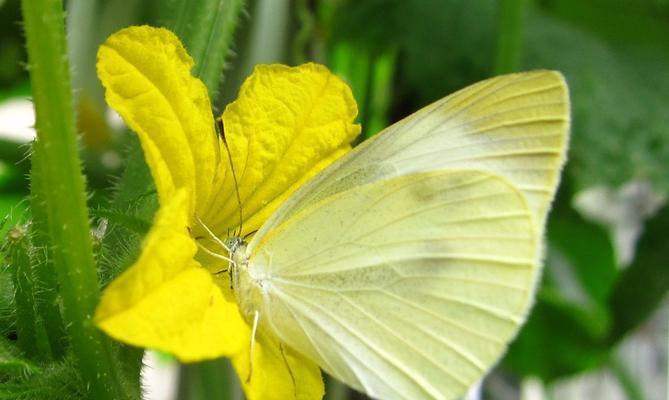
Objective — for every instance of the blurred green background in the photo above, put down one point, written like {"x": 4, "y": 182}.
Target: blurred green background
{"x": 599, "y": 326}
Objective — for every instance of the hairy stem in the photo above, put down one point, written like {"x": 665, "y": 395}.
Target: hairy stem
{"x": 64, "y": 194}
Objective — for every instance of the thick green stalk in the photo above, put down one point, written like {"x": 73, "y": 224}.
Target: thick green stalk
{"x": 511, "y": 21}
{"x": 64, "y": 194}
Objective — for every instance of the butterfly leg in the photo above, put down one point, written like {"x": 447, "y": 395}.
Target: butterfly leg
{"x": 290, "y": 371}
{"x": 254, "y": 329}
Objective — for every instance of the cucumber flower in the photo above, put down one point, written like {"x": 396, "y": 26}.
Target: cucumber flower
{"x": 286, "y": 126}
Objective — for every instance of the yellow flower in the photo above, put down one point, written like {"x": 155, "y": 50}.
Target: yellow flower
{"x": 286, "y": 126}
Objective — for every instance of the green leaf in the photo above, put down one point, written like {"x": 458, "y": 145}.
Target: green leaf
{"x": 124, "y": 219}
{"x": 618, "y": 21}
{"x": 588, "y": 251}
{"x": 556, "y": 341}
{"x": 619, "y": 130}
{"x": 644, "y": 284}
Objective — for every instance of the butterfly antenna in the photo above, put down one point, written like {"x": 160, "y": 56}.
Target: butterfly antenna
{"x": 229, "y": 260}
{"x": 215, "y": 255}
{"x": 221, "y": 132}
{"x": 214, "y": 237}
{"x": 249, "y": 234}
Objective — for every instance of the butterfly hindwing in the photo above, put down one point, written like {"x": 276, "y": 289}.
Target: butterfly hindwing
{"x": 413, "y": 288}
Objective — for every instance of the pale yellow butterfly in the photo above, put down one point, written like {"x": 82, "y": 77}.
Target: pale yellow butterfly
{"x": 406, "y": 267}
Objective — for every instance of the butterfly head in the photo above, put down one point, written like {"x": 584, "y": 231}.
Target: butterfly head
{"x": 237, "y": 246}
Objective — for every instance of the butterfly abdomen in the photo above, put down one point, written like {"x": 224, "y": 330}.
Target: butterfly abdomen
{"x": 246, "y": 289}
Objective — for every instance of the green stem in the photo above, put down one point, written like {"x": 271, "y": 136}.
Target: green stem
{"x": 511, "y": 20}
{"x": 625, "y": 379}
{"x": 380, "y": 96}
{"x": 305, "y": 32}
{"x": 208, "y": 41}
{"x": 204, "y": 380}
{"x": 354, "y": 63}
{"x": 335, "y": 390}
{"x": 63, "y": 186}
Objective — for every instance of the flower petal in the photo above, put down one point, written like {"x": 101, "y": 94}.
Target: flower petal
{"x": 146, "y": 74}
{"x": 279, "y": 373}
{"x": 287, "y": 125}
{"x": 167, "y": 301}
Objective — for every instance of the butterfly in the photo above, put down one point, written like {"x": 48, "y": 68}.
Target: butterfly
{"x": 406, "y": 267}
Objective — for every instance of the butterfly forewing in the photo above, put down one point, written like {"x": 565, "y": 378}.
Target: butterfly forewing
{"x": 515, "y": 126}
{"x": 406, "y": 267}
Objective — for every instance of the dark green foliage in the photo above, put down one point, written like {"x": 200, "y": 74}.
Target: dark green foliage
{"x": 456, "y": 37}
{"x": 21, "y": 380}
{"x": 619, "y": 115}
{"x": 644, "y": 284}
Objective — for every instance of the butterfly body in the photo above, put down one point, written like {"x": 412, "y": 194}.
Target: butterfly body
{"x": 247, "y": 289}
